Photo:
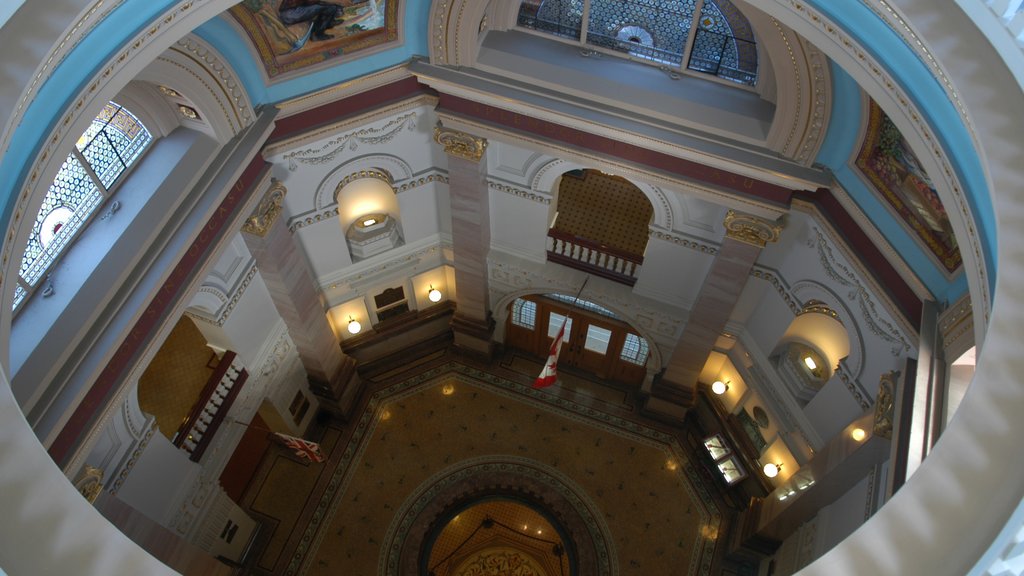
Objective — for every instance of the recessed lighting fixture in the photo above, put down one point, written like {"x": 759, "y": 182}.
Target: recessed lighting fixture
{"x": 448, "y": 389}
{"x": 811, "y": 364}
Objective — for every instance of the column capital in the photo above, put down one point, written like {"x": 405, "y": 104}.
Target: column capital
{"x": 460, "y": 144}
{"x": 266, "y": 213}
{"x": 751, "y": 229}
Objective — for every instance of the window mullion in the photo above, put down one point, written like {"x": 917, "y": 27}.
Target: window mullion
{"x": 692, "y": 36}
{"x": 585, "y": 22}
{"x": 88, "y": 170}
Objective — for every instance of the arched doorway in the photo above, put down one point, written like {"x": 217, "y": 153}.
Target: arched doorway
{"x": 595, "y": 340}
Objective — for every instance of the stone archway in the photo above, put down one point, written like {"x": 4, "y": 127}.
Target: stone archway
{"x": 542, "y": 487}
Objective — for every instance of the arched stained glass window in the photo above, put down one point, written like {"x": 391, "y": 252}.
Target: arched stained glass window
{"x": 112, "y": 143}
{"x": 709, "y": 36}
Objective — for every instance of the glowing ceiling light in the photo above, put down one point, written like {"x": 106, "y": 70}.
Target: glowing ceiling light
{"x": 434, "y": 295}
{"x": 811, "y": 365}
{"x": 354, "y": 326}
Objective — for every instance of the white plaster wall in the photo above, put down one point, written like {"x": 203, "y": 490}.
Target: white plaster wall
{"x": 159, "y": 481}
{"x": 519, "y": 226}
{"x": 249, "y": 323}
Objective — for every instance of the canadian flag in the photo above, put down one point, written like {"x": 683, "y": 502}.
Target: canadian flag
{"x": 549, "y": 374}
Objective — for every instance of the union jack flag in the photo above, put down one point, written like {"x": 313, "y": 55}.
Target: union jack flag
{"x": 303, "y": 448}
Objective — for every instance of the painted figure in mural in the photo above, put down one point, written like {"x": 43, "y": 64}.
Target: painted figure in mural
{"x": 322, "y": 16}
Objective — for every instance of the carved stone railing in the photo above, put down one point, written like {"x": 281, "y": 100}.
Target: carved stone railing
{"x": 593, "y": 257}
{"x": 199, "y": 428}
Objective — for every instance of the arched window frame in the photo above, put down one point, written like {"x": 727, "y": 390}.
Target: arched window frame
{"x": 97, "y": 164}
{"x": 695, "y": 58}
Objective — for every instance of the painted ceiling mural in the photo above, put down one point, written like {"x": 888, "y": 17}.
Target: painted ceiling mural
{"x": 895, "y": 173}
{"x": 291, "y": 35}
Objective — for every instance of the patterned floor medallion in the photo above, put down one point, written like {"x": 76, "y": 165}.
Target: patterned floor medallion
{"x": 643, "y": 505}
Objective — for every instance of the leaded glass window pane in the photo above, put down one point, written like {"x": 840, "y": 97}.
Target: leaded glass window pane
{"x": 559, "y": 17}
{"x": 524, "y": 313}
{"x": 651, "y": 29}
{"x": 112, "y": 142}
{"x": 583, "y": 304}
{"x": 68, "y": 203}
{"x": 635, "y": 350}
{"x": 724, "y": 44}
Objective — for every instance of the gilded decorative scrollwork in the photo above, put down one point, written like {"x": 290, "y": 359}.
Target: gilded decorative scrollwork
{"x": 266, "y": 213}
{"x": 885, "y": 405}
{"x": 90, "y": 483}
{"x": 460, "y": 144}
{"x": 751, "y": 229}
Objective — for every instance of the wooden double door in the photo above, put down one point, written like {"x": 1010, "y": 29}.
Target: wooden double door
{"x": 603, "y": 346}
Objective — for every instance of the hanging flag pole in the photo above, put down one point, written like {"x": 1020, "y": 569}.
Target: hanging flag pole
{"x": 305, "y": 449}
{"x": 549, "y": 374}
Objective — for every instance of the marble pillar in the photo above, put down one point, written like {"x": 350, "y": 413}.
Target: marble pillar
{"x": 286, "y": 273}
{"x": 676, "y": 389}
{"x": 472, "y": 324}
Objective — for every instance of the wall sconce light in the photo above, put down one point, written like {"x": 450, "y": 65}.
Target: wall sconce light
{"x": 771, "y": 469}
{"x": 719, "y": 387}
{"x": 354, "y": 326}
{"x": 858, "y": 434}
{"x": 434, "y": 295}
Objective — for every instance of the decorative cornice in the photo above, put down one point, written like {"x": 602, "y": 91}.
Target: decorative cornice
{"x": 376, "y": 173}
{"x": 460, "y": 144}
{"x": 309, "y": 218}
{"x": 328, "y": 153}
{"x": 819, "y": 307}
{"x": 519, "y": 192}
{"x": 259, "y": 223}
{"x": 229, "y": 84}
{"x": 678, "y": 239}
{"x": 229, "y": 304}
{"x": 751, "y": 229}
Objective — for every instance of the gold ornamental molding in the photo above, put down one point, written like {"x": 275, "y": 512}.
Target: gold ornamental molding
{"x": 377, "y": 173}
{"x": 267, "y": 212}
{"x": 460, "y": 144}
{"x": 885, "y": 405}
{"x": 751, "y": 229}
{"x": 90, "y": 483}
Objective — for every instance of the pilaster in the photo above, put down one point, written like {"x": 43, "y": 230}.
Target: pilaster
{"x": 745, "y": 236}
{"x": 286, "y": 273}
{"x": 472, "y": 324}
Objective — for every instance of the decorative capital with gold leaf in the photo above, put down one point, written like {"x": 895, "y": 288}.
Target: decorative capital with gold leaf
{"x": 751, "y": 229}
{"x": 266, "y": 213}
{"x": 885, "y": 405}
{"x": 90, "y": 483}
{"x": 460, "y": 144}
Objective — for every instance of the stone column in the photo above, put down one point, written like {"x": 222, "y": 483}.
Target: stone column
{"x": 472, "y": 324}
{"x": 285, "y": 271}
{"x": 745, "y": 236}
